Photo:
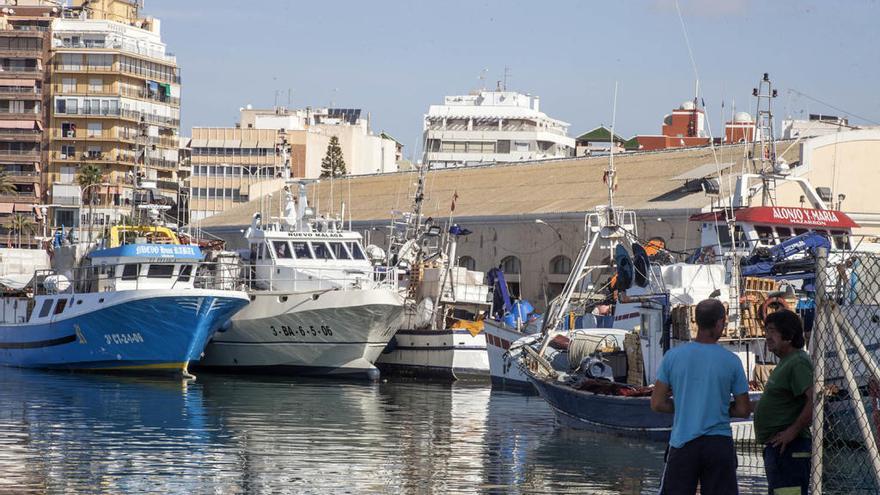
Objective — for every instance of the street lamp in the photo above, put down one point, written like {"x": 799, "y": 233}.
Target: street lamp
{"x": 542, "y": 222}
{"x": 82, "y": 193}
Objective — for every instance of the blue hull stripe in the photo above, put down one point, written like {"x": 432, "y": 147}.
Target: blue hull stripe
{"x": 38, "y": 343}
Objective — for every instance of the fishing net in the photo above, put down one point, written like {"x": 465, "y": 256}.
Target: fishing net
{"x": 845, "y": 347}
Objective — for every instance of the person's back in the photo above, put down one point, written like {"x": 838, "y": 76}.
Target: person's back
{"x": 702, "y": 377}
{"x": 695, "y": 383}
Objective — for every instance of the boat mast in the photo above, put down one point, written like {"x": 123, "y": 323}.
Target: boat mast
{"x": 763, "y": 156}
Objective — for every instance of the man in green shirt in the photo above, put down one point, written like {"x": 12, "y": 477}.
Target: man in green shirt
{"x": 785, "y": 411}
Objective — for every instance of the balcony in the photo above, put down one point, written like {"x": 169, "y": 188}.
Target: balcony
{"x": 20, "y": 93}
{"x": 7, "y": 71}
{"x": 19, "y": 197}
{"x": 20, "y": 135}
{"x": 125, "y": 114}
{"x": 19, "y": 155}
{"x": 117, "y": 68}
{"x": 145, "y": 95}
{"x": 23, "y": 177}
{"x": 114, "y": 45}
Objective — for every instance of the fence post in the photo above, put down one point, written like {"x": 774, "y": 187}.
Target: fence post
{"x": 817, "y": 346}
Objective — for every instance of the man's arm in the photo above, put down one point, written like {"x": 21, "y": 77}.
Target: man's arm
{"x": 741, "y": 407}
{"x": 661, "y": 398}
{"x": 784, "y": 437}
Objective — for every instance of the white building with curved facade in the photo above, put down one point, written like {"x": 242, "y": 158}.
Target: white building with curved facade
{"x": 492, "y": 126}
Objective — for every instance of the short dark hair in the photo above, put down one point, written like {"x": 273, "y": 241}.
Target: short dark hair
{"x": 789, "y": 326}
{"x": 709, "y": 312}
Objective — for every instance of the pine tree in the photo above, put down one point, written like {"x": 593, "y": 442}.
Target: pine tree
{"x": 333, "y": 164}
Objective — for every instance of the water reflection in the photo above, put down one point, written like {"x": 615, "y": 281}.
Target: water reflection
{"x": 227, "y": 434}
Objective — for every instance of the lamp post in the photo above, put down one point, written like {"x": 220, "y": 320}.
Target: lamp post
{"x": 542, "y": 222}
{"x": 91, "y": 204}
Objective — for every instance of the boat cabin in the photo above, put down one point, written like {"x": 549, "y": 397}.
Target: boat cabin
{"x": 767, "y": 226}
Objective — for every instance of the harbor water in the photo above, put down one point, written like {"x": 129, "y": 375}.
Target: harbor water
{"x": 74, "y": 433}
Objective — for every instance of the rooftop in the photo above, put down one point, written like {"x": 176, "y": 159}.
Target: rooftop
{"x": 548, "y": 187}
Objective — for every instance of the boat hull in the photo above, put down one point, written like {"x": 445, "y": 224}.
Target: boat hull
{"x": 329, "y": 333}
{"x": 503, "y": 367}
{"x": 449, "y": 353}
{"x": 618, "y": 415}
{"x": 143, "y": 330}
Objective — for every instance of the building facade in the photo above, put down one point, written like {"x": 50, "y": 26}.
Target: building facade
{"x": 24, "y": 52}
{"x": 115, "y": 104}
{"x": 233, "y": 165}
{"x": 492, "y": 126}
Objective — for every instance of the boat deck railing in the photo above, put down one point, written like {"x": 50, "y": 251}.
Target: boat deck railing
{"x": 318, "y": 279}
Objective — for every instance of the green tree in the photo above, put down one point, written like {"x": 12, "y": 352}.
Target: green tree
{"x": 6, "y": 185}
{"x": 21, "y": 223}
{"x": 333, "y": 164}
{"x": 89, "y": 175}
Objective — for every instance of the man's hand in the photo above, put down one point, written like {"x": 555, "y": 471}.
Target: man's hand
{"x": 661, "y": 400}
{"x": 783, "y": 438}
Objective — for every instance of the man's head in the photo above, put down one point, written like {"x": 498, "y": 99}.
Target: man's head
{"x": 711, "y": 318}
{"x": 785, "y": 332}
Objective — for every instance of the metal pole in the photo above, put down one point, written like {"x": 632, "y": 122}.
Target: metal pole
{"x": 817, "y": 346}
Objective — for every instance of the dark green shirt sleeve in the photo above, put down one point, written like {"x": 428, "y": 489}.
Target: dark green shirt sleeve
{"x": 801, "y": 377}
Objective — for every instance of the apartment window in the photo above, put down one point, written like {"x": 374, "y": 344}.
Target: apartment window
{"x": 68, "y": 151}
{"x": 94, "y": 129}
{"x": 16, "y": 106}
{"x": 94, "y": 152}
{"x": 71, "y": 61}
{"x": 72, "y": 105}
{"x": 101, "y": 62}
{"x": 68, "y": 129}
{"x": 68, "y": 85}
{"x": 96, "y": 85}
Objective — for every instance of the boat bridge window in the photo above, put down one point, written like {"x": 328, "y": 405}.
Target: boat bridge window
{"x": 301, "y": 250}
{"x": 160, "y": 271}
{"x": 356, "y": 251}
{"x": 62, "y": 303}
{"x": 841, "y": 239}
{"x": 185, "y": 273}
{"x": 765, "y": 234}
{"x": 46, "y": 307}
{"x": 130, "y": 271}
{"x": 339, "y": 251}
{"x": 282, "y": 250}
{"x": 784, "y": 233}
{"x": 724, "y": 236}
{"x": 321, "y": 251}
{"x": 798, "y": 231}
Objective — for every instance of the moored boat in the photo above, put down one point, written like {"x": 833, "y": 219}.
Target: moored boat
{"x": 131, "y": 305}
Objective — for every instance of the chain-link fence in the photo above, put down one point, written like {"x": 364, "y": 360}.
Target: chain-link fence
{"x": 845, "y": 347}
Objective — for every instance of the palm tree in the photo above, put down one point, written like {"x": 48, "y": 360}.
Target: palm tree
{"x": 6, "y": 184}
{"x": 20, "y": 223}
{"x": 89, "y": 176}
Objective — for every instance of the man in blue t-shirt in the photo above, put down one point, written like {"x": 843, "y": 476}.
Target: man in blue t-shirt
{"x": 695, "y": 382}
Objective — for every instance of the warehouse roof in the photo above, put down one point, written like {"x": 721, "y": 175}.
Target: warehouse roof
{"x": 531, "y": 188}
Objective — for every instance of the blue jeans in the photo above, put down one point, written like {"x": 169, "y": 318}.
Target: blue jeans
{"x": 788, "y": 471}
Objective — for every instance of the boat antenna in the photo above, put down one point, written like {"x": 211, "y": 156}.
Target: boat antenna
{"x": 610, "y": 174}
{"x": 764, "y": 159}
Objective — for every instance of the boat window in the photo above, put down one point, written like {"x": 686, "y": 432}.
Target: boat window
{"x": 62, "y": 303}
{"x": 282, "y": 250}
{"x": 723, "y": 236}
{"x": 185, "y": 272}
{"x": 798, "y": 231}
{"x": 301, "y": 250}
{"x": 130, "y": 271}
{"x": 841, "y": 239}
{"x": 160, "y": 271}
{"x": 765, "y": 234}
{"x": 322, "y": 252}
{"x": 47, "y": 306}
{"x": 339, "y": 251}
{"x": 356, "y": 251}
{"x": 783, "y": 233}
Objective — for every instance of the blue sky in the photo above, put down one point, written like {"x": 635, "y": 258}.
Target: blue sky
{"x": 394, "y": 58}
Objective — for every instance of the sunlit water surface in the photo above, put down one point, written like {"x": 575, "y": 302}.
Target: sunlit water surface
{"x": 68, "y": 433}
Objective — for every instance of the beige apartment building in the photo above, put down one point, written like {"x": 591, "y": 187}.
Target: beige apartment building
{"x": 114, "y": 96}
{"x": 232, "y": 165}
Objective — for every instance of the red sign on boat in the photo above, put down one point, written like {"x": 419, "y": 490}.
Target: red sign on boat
{"x": 785, "y": 215}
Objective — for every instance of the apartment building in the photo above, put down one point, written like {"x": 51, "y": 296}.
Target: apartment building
{"x": 114, "y": 103}
{"x": 24, "y": 51}
{"x": 492, "y": 126}
{"x": 233, "y": 165}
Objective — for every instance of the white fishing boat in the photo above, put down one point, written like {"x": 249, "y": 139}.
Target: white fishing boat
{"x": 441, "y": 333}
{"x": 316, "y": 304}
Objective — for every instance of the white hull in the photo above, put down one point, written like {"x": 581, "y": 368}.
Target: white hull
{"x": 454, "y": 353}
{"x": 334, "y": 332}
{"x": 503, "y": 366}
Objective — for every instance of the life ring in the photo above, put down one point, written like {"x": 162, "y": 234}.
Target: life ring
{"x": 771, "y": 305}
